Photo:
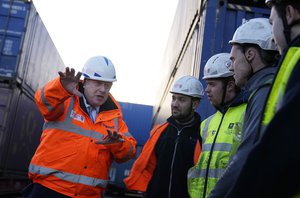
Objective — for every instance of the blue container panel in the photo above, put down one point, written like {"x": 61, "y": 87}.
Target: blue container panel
{"x": 13, "y": 15}
{"x": 10, "y": 45}
{"x": 8, "y": 64}
{"x": 14, "y": 8}
{"x": 9, "y": 55}
{"x": 11, "y": 26}
{"x": 138, "y": 119}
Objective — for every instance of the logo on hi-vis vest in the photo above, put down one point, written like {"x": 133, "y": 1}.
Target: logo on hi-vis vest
{"x": 76, "y": 116}
{"x": 235, "y": 129}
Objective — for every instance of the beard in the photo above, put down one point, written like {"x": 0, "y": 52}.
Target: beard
{"x": 182, "y": 116}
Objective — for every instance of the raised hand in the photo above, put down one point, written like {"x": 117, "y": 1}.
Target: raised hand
{"x": 69, "y": 81}
{"x": 111, "y": 138}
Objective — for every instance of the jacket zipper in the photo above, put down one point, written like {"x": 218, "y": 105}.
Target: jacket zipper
{"x": 173, "y": 158}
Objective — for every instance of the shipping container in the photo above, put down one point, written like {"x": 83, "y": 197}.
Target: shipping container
{"x": 20, "y": 130}
{"x": 28, "y": 59}
{"x": 201, "y": 28}
{"x": 28, "y": 55}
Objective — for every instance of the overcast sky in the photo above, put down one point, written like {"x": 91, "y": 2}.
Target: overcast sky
{"x": 132, "y": 33}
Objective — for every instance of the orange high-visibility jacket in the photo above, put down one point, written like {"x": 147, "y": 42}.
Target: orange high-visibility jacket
{"x": 143, "y": 168}
{"x": 67, "y": 160}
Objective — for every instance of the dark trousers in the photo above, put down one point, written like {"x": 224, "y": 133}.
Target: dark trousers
{"x": 35, "y": 190}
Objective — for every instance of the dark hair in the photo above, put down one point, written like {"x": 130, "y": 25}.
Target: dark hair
{"x": 269, "y": 57}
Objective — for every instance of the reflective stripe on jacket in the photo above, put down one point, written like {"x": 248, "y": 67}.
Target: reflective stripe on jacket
{"x": 68, "y": 160}
{"x": 276, "y": 94}
{"x": 221, "y": 134}
{"x": 143, "y": 168}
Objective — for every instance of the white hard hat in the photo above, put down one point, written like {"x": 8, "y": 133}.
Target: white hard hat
{"x": 99, "y": 68}
{"x": 188, "y": 85}
{"x": 218, "y": 66}
{"x": 255, "y": 31}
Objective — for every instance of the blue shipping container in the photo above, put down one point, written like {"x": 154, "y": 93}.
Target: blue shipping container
{"x": 13, "y": 15}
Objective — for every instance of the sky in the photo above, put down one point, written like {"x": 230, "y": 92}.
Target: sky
{"x": 132, "y": 33}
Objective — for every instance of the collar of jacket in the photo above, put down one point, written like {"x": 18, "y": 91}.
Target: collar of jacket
{"x": 241, "y": 98}
{"x": 260, "y": 77}
{"x": 293, "y": 43}
{"x": 197, "y": 120}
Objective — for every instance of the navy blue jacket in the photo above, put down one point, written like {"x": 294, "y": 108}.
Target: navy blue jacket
{"x": 272, "y": 168}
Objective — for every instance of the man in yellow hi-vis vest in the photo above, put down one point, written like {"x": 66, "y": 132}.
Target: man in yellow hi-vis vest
{"x": 221, "y": 132}
{"x": 272, "y": 167}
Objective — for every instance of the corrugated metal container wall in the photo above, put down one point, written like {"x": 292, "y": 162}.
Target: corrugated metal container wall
{"x": 21, "y": 124}
{"x": 28, "y": 59}
{"x": 39, "y": 55}
{"x": 180, "y": 29}
{"x": 215, "y": 24}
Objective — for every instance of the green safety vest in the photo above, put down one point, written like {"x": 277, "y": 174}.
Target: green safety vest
{"x": 221, "y": 133}
{"x": 276, "y": 94}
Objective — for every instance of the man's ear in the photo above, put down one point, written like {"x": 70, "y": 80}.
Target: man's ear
{"x": 292, "y": 14}
{"x": 231, "y": 85}
{"x": 195, "y": 104}
{"x": 250, "y": 54}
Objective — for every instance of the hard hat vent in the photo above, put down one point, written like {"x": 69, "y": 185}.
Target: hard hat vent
{"x": 99, "y": 68}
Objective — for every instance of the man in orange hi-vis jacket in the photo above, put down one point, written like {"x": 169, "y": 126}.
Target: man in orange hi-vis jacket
{"x": 82, "y": 135}
{"x": 173, "y": 147}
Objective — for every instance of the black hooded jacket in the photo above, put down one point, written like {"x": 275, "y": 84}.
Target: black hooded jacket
{"x": 175, "y": 155}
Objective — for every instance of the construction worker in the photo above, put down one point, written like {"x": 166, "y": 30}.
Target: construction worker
{"x": 173, "y": 147}
{"x": 272, "y": 166}
{"x": 221, "y": 132}
{"x": 82, "y": 135}
{"x": 253, "y": 54}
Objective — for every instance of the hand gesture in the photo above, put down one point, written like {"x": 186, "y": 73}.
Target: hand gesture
{"x": 69, "y": 81}
{"x": 111, "y": 138}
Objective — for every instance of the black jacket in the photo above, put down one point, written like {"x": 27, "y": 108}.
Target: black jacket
{"x": 272, "y": 168}
{"x": 175, "y": 155}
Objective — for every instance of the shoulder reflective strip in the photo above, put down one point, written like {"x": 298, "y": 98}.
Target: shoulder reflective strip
{"x": 217, "y": 147}
{"x": 278, "y": 89}
{"x": 212, "y": 173}
{"x": 205, "y": 128}
{"x": 70, "y": 177}
{"x": 46, "y": 103}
